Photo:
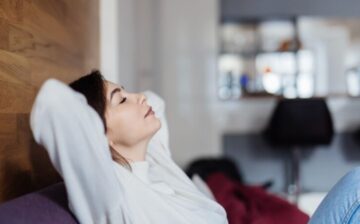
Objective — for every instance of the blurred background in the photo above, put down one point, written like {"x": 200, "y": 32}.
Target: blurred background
{"x": 222, "y": 67}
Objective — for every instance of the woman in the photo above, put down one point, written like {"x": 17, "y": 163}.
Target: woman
{"x": 111, "y": 148}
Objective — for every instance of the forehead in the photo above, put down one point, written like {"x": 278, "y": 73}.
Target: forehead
{"x": 110, "y": 85}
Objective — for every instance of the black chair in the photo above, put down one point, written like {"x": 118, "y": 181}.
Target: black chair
{"x": 296, "y": 124}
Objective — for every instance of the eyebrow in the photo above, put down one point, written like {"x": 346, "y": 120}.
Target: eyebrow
{"x": 113, "y": 92}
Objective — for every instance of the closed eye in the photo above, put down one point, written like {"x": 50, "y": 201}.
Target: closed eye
{"x": 123, "y": 100}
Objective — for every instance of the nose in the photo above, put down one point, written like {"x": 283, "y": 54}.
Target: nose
{"x": 141, "y": 98}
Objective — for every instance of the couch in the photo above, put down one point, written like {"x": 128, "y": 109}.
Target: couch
{"x": 49, "y": 205}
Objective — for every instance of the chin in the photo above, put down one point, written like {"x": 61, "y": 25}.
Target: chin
{"x": 157, "y": 126}
{"x": 153, "y": 128}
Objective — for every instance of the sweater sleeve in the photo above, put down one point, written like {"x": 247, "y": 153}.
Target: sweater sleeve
{"x": 161, "y": 139}
{"x": 73, "y": 135}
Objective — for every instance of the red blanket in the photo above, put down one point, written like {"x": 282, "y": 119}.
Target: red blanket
{"x": 252, "y": 205}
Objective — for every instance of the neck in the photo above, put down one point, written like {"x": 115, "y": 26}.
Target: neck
{"x": 134, "y": 153}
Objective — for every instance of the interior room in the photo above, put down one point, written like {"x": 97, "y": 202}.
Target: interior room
{"x": 261, "y": 100}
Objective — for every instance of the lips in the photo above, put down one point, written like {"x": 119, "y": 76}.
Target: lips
{"x": 149, "y": 112}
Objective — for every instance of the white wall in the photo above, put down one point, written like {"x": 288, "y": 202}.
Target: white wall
{"x": 117, "y": 43}
{"x": 128, "y": 43}
{"x": 187, "y": 51}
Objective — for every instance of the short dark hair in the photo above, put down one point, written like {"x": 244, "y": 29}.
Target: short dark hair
{"x": 92, "y": 86}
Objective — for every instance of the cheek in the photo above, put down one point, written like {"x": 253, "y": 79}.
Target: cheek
{"x": 122, "y": 121}
{"x": 127, "y": 125}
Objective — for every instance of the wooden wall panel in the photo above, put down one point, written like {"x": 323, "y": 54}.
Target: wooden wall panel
{"x": 39, "y": 39}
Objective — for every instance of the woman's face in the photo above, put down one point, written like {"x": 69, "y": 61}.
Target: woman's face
{"x": 127, "y": 117}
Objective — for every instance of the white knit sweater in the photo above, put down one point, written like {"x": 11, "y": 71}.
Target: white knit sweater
{"x": 101, "y": 191}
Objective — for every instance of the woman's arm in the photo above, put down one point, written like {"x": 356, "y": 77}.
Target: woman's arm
{"x": 161, "y": 138}
{"x": 73, "y": 135}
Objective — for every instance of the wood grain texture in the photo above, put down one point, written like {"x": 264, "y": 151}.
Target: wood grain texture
{"x": 39, "y": 39}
